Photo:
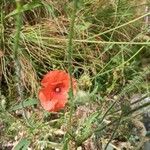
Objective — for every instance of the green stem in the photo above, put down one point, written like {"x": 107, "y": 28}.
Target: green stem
{"x": 124, "y": 116}
{"x": 120, "y": 26}
{"x": 70, "y": 70}
{"x": 114, "y": 132}
{"x": 70, "y": 51}
{"x": 80, "y": 139}
{"x": 16, "y": 52}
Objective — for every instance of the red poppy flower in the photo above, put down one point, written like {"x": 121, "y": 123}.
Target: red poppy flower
{"x": 53, "y": 94}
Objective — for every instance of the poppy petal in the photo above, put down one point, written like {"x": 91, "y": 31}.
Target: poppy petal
{"x": 54, "y": 76}
{"x": 46, "y": 104}
{"x": 54, "y": 92}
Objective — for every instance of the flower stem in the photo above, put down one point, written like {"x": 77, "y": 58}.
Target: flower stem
{"x": 70, "y": 51}
{"x": 70, "y": 68}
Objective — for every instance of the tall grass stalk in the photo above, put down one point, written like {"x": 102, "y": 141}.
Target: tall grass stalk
{"x": 97, "y": 41}
{"x": 114, "y": 132}
{"x": 16, "y": 53}
{"x": 120, "y": 26}
{"x": 70, "y": 51}
{"x": 70, "y": 69}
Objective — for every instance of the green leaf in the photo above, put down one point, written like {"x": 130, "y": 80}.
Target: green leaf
{"x": 86, "y": 130}
{"x": 65, "y": 142}
{"x": 90, "y": 120}
{"x": 82, "y": 97}
{"x": 29, "y": 6}
{"x": 23, "y": 144}
{"x": 25, "y": 103}
{"x": 83, "y": 27}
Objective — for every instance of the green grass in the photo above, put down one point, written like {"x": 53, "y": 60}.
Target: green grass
{"x": 103, "y": 44}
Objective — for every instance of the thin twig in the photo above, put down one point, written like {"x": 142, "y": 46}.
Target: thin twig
{"x": 126, "y": 115}
{"x": 132, "y": 104}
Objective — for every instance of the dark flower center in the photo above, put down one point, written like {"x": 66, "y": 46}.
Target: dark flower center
{"x": 57, "y": 89}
